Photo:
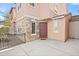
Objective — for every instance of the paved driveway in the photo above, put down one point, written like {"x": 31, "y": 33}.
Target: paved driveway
{"x": 44, "y": 48}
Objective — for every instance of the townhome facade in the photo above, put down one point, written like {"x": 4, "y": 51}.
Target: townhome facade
{"x": 42, "y": 20}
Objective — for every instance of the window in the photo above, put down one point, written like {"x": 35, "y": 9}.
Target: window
{"x": 32, "y": 4}
{"x": 56, "y": 25}
{"x": 33, "y": 27}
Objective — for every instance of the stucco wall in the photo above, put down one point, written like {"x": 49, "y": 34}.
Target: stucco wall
{"x": 48, "y": 10}
{"x": 60, "y": 35}
{"x": 63, "y": 29}
{"x": 40, "y": 11}
{"x": 26, "y": 9}
{"x": 67, "y": 18}
{"x": 58, "y": 8}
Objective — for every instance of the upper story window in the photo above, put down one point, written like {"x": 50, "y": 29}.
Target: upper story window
{"x": 32, "y": 4}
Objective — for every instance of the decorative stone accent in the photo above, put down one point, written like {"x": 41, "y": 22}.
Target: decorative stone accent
{"x": 26, "y": 27}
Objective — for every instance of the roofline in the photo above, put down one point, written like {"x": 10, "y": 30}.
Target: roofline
{"x": 60, "y": 16}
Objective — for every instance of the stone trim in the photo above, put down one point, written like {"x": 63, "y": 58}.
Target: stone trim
{"x": 34, "y": 17}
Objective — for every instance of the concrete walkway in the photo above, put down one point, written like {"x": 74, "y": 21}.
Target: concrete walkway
{"x": 44, "y": 48}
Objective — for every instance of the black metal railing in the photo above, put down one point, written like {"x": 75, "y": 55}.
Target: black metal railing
{"x": 10, "y": 40}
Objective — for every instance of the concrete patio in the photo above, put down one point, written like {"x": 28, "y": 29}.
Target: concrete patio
{"x": 44, "y": 48}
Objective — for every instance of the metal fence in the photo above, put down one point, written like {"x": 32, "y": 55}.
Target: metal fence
{"x": 10, "y": 40}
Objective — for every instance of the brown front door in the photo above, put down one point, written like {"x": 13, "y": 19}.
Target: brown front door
{"x": 43, "y": 30}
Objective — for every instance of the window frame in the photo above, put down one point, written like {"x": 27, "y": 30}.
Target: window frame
{"x": 56, "y": 26}
{"x": 32, "y": 28}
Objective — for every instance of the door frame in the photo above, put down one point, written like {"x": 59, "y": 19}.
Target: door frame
{"x": 46, "y": 28}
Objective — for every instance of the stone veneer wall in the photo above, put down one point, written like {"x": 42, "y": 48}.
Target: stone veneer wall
{"x": 26, "y": 27}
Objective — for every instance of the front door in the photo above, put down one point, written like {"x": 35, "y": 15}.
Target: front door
{"x": 43, "y": 30}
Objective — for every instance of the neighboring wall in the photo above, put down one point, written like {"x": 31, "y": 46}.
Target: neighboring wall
{"x": 13, "y": 19}
{"x": 74, "y": 28}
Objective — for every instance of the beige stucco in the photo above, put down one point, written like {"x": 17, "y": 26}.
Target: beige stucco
{"x": 63, "y": 31}
{"x": 41, "y": 11}
{"x": 56, "y": 35}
